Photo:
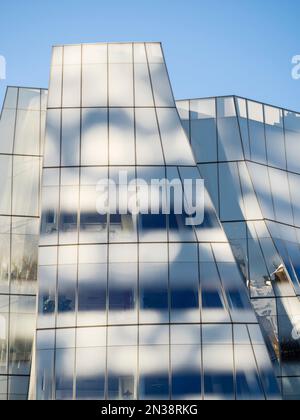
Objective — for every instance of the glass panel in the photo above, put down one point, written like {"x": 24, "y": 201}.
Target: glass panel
{"x": 94, "y": 140}
{"x": 5, "y": 184}
{"x": 90, "y": 373}
{"x": 162, "y": 90}
{"x": 231, "y": 202}
{"x": 154, "y": 373}
{"x": 26, "y": 185}
{"x": 71, "y": 86}
{"x": 7, "y": 129}
{"x": 121, "y": 136}
{"x": 292, "y": 134}
{"x": 261, "y": 182}
{"x": 5, "y": 249}
{"x": 69, "y": 202}
{"x": 142, "y": 85}
{"x": 186, "y": 372}
{"x": 92, "y": 286}
{"x": 55, "y": 86}
{"x": 64, "y": 373}
{"x": 213, "y": 301}
{"x": 148, "y": 144}
{"x": 70, "y": 137}
{"x": 177, "y": 150}
{"x": 122, "y": 373}
{"x": 281, "y": 196}
{"x": 67, "y": 279}
{"x": 230, "y": 145}
{"x": 22, "y": 323}
{"x": 47, "y": 291}
{"x": 204, "y": 130}
{"x": 121, "y": 85}
{"x": 52, "y": 141}
{"x": 257, "y": 132}
{"x": 275, "y": 137}
{"x": 94, "y": 85}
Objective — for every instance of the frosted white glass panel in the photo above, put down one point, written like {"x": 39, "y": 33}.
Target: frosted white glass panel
{"x": 121, "y": 137}
{"x": 94, "y": 140}
{"x": 120, "y": 53}
{"x": 69, "y": 202}
{"x": 11, "y": 98}
{"x": 139, "y": 52}
{"x": 260, "y": 178}
{"x": 154, "y": 372}
{"x": 5, "y": 184}
{"x": 27, "y": 140}
{"x": 275, "y": 137}
{"x": 57, "y": 56}
{"x": 26, "y": 185}
{"x": 186, "y": 372}
{"x": 142, "y": 85}
{"x": 71, "y": 86}
{"x": 154, "y": 53}
{"x": 121, "y": 85}
{"x": 122, "y": 294}
{"x": 176, "y": 147}
{"x": 72, "y": 54}
{"x": 122, "y": 373}
{"x": 52, "y": 141}
{"x": 292, "y": 139}
{"x": 281, "y": 196}
{"x": 294, "y": 181}
{"x": 252, "y": 209}
{"x": 162, "y": 90}
{"x": 148, "y": 144}
{"x": 7, "y": 129}
{"x": 90, "y": 373}
{"x": 218, "y": 372}
{"x": 55, "y": 87}
{"x": 94, "y": 54}
{"x": 94, "y": 85}
{"x": 29, "y": 99}
{"x": 70, "y": 137}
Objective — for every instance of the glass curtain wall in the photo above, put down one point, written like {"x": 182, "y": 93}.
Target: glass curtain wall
{"x": 22, "y": 125}
{"x": 247, "y": 153}
{"x": 134, "y": 306}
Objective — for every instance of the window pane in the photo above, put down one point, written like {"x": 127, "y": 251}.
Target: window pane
{"x": 154, "y": 373}
{"x": 162, "y": 90}
{"x": 121, "y": 136}
{"x": 5, "y": 184}
{"x": 148, "y": 144}
{"x": 7, "y": 128}
{"x": 92, "y": 286}
{"x": 94, "y": 85}
{"x": 70, "y": 137}
{"x": 26, "y": 184}
{"x": 121, "y": 85}
{"x": 122, "y": 373}
{"x": 94, "y": 141}
{"x": 27, "y": 140}
{"x": 90, "y": 373}
{"x": 52, "y": 140}
{"x": 143, "y": 89}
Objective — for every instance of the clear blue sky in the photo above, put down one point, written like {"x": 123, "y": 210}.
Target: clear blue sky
{"x": 212, "y": 47}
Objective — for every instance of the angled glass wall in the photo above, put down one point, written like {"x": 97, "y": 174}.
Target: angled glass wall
{"x": 134, "y": 306}
{"x": 247, "y": 153}
{"x": 22, "y": 124}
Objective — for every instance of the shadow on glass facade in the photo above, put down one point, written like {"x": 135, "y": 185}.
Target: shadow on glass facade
{"x": 21, "y": 149}
{"x": 247, "y": 152}
{"x": 133, "y": 306}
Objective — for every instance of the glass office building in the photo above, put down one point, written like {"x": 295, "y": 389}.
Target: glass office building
{"x": 140, "y": 305}
{"x": 248, "y": 154}
{"x": 21, "y": 148}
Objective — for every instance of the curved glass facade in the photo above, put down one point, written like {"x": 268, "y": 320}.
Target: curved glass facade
{"x": 133, "y": 306}
{"x": 247, "y": 153}
{"x": 21, "y": 148}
